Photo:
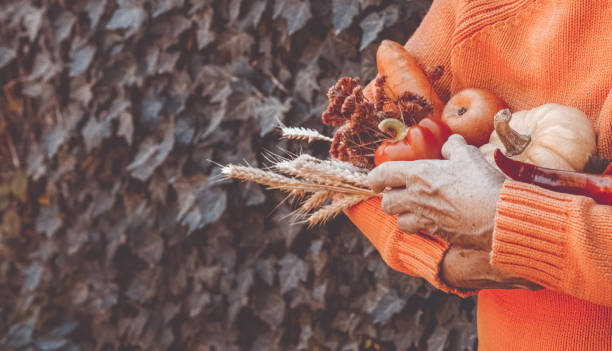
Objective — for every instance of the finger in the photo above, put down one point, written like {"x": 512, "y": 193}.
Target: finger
{"x": 454, "y": 147}
{"x": 395, "y": 174}
{"x": 409, "y": 223}
{"x": 394, "y": 202}
{"x": 389, "y": 174}
{"x": 412, "y": 223}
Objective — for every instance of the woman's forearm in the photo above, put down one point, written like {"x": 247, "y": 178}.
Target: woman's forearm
{"x": 560, "y": 241}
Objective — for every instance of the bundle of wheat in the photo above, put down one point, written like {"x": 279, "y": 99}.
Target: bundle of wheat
{"x": 312, "y": 180}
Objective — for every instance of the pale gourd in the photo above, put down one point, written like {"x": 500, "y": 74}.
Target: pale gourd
{"x": 552, "y": 136}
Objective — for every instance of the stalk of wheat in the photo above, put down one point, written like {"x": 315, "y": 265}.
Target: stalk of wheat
{"x": 299, "y": 133}
{"x": 306, "y": 175}
{"x": 338, "y": 205}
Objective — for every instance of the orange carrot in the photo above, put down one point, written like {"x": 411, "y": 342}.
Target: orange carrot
{"x": 404, "y": 73}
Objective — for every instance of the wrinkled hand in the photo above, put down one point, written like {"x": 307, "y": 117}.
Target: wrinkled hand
{"x": 454, "y": 199}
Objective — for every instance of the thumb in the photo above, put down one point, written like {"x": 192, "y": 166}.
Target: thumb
{"x": 455, "y": 147}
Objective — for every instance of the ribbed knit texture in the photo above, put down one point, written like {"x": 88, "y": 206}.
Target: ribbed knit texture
{"x": 560, "y": 241}
{"x": 529, "y": 53}
{"x": 412, "y": 254}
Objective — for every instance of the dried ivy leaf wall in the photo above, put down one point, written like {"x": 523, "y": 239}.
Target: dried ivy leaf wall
{"x": 116, "y": 233}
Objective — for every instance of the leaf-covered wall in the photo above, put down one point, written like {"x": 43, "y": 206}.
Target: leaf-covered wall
{"x": 116, "y": 231}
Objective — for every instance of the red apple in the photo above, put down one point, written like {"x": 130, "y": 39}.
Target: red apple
{"x": 470, "y": 113}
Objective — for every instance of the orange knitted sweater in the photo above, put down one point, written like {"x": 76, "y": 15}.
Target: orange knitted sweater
{"x": 529, "y": 52}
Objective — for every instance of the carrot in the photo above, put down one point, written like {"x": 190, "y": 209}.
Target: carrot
{"x": 404, "y": 73}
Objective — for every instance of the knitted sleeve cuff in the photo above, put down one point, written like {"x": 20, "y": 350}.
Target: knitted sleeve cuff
{"x": 529, "y": 239}
{"x": 412, "y": 254}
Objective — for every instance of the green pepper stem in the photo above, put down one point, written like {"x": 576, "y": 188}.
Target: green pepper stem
{"x": 514, "y": 142}
{"x": 397, "y": 127}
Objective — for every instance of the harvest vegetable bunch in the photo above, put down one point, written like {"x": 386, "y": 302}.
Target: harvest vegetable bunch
{"x": 365, "y": 119}
{"x": 399, "y": 105}
{"x": 399, "y": 117}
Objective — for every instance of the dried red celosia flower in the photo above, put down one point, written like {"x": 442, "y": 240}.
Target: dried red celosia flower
{"x": 358, "y": 136}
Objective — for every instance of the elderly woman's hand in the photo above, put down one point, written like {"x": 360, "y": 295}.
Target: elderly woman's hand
{"x": 454, "y": 199}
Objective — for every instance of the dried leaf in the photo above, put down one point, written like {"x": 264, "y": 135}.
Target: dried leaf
{"x": 33, "y": 276}
{"x": 197, "y": 301}
{"x": 81, "y": 59}
{"x": 151, "y": 109}
{"x": 44, "y": 68}
{"x": 49, "y": 220}
{"x": 253, "y": 195}
{"x": 266, "y": 271}
{"x": 50, "y": 343}
{"x": 151, "y": 154}
{"x": 236, "y": 43}
{"x": 52, "y": 140}
{"x": 271, "y": 113}
{"x": 270, "y": 307}
{"x": 94, "y": 132}
{"x": 254, "y": 15}
{"x": 295, "y": 12}
{"x": 63, "y": 25}
{"x": 234, "y": 9}
{"x": 6, "y": 56}
{"x": 126, "y": 127}
{"x": 127, "y": 18}
{"x": 64, "y": 328}
{"x": 32, "y": 21}
{"x": 205, "y": 35}
{"x": 149, "y": 246}
{"x": 306, "y": 82}
{"x": 388, "y": 306}
{"x": 269, "y": 341}
{"x": 391, "y": 14}
{"x": 142, "y": 286}
{"x": 162, "y": 6}
{"x": 371, "y": 26}
{"x": 365, "y": 4}
{"x": 242, "y": 107}
{"x": 343, "y": 13}
{"x": 19, "y": 335}
{"x": 438, "y": 340}
{"x": 293, "y": 270}
{"x": 95, "y": 9}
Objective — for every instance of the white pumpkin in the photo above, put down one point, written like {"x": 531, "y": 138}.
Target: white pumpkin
{"x": 552, "y": 136}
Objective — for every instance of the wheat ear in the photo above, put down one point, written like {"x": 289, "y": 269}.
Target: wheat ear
{"x": 335, "y": 170}
{"x": 327, "y": 212}
{"x": 258, "y": 175}
{"x": 314, "y": 201}
{"x": 288, "y": 184}
{"x": 323, "y": 172}
{"x": 300, "y": 133}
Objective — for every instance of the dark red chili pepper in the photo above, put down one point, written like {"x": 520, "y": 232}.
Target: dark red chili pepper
{"x": 596, "y": 186}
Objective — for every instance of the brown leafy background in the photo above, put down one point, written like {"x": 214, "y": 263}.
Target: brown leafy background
{"x": 116, "y": 233}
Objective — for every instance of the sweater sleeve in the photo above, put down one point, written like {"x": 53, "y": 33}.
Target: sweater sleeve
{"x": 412, "y": 254}
{"x": 562, "y": 242}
